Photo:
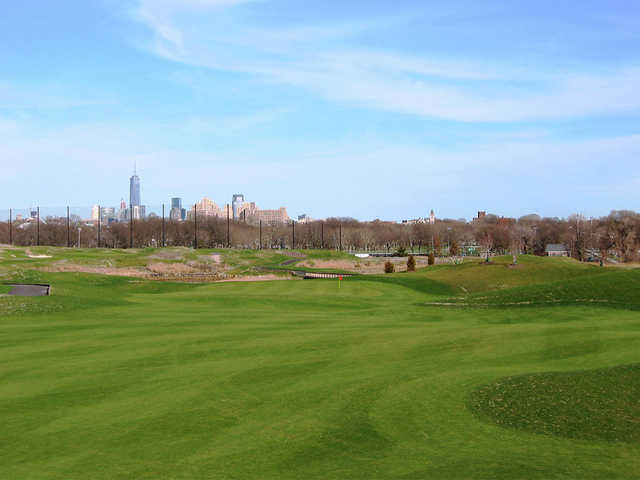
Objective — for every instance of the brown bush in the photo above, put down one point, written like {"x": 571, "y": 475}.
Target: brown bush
{"x": 432, "y": 258}
{"x": 411, "y": 264}
{"x": 389, "y": 267}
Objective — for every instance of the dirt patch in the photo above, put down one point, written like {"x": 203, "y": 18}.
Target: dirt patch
{"x": 212, "y": 258}
{"x": 30, "y": 254}
{"x": 171, "y": 268}
{"x": 369, "y": 265}
{"x": 71, "y": 267}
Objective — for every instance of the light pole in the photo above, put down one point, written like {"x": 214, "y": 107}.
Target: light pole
{"x": 79, "y": 230}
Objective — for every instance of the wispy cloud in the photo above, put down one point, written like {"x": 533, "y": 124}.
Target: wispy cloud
{"x": 511, "y": 175}
{"x": 318, "y": 58}
{"x": 13, "y": 97}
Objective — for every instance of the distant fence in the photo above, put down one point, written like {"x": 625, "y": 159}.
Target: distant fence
{"x": 156, "y": 226}
{"x": 160, "y": 226}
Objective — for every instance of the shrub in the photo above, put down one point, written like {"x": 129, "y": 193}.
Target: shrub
{"x": 411, "y": 264}
{"x": 432, "y": 258}
{"x": 388, "y": 267}
{"x": 401, "y": 252}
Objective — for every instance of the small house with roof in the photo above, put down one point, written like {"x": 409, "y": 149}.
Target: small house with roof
{"x": 556, "y": 250}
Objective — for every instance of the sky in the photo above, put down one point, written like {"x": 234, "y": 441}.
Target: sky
{"x": 359, "y": 108}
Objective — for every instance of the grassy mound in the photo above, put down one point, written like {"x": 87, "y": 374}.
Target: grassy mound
{"x": 477, "y": 276}
{"x": 615, "y": 288}
{"x": 591, "y": 405}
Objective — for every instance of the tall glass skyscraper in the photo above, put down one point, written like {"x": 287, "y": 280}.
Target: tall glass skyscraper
{"x": 134, "y": 190}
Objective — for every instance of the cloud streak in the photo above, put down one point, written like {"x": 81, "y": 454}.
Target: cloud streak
{"x": 318, "y": 59}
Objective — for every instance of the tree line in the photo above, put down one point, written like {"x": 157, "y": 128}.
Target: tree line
{"x": 616, "y": 235}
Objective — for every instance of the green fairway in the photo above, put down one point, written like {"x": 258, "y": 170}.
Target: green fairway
{"x": 391, "y": 376}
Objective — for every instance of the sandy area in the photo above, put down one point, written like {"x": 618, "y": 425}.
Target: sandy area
{"x": 71, "y": 267}
{"x": 171, "y": 268}
{"x": 369, "y": 265}
{"x": 162, "y": 271}
{"x": 30, "y": 254}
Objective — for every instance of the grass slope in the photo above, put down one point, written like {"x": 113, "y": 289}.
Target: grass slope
{"x": 117, "y": 377}
{"x": 592, "y": 405}
{"x": 477, "y": 276}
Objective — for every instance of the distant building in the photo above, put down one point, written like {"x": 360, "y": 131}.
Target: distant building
{"x": 270, "y": 216}
{"x": 237, "y": 203}
{"x": 95, "y": 212}
{"x": 208, "y": 208}
{"x": 482, "y": 213}
{"x": 108, "y": 215}
{"x": 137, "y": 209}
{"x": 134, "y": 190}
{"x": 139, "y": 212}
{"x": 245, "y": 211}
{"x": 304, "y": 218}
{"x": 414, "y": 221}
{"x": 177, "y": 213}
{"x": 556, "y": 250}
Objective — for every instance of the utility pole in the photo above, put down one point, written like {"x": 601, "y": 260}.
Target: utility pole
{"x": 228, "y": 229}
{"x": 38, "y": 227}
{"x": 130, "y": 225}
{"x": 195, "y": 226}
{"x": 163, "y": 231}
{"x": 68, "y": 228}
{"x": 293, "y": 234}
{"x": 321, "y": 235}
{"x": 10, "y": 226}
{"x": 340, "y": 237}
{"x": 99, "y": 223}
{"x": 260, "y": 234}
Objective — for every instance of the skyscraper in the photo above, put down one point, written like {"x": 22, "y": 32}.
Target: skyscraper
{"x": 177, "y": 212}
{"x": 134, "y": 190}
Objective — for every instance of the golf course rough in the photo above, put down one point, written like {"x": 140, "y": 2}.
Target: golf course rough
{"x": 116, "y": 377}
{"x": 602, "y": 404}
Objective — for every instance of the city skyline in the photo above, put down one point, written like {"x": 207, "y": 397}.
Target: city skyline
{"x": 364, "y": 109}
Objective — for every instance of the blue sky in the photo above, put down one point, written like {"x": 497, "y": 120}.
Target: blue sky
{"x": 370, "y": 109}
